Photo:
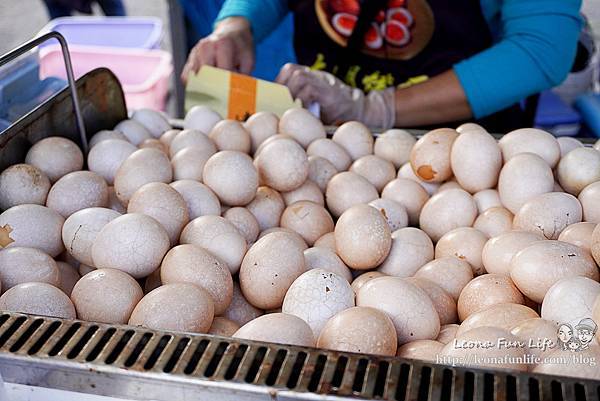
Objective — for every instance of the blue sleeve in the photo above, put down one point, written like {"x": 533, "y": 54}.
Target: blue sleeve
{"x": 264, "y": 15}
{"x": 535, "y": 51}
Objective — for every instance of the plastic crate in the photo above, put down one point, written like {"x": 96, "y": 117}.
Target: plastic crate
{"x": 128, "y": 32}
{"x": 144, "y": 74}
{"x": 555, "y": 116}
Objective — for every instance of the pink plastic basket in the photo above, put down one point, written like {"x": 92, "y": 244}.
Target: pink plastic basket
{"x": 144, "y": 74}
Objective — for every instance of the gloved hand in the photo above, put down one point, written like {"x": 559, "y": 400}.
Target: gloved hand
{"x": 339, "y": 102}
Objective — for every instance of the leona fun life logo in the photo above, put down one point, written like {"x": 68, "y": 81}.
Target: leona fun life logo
{"x": 577, "y": 338}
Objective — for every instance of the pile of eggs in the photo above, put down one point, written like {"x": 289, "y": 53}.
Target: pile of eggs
{"x": 269, "y": 230}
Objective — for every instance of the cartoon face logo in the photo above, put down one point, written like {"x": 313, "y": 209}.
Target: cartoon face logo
{"x": 578, "y": 338}
{"x": 565, "y": 333}
{"x": 573, "y": 344}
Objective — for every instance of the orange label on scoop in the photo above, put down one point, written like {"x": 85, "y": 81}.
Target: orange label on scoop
{"x": 242, "y": 97}
{"x": 5, "y": 238}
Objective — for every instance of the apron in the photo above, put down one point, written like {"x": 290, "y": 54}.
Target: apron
{"x": 375, "y": 44}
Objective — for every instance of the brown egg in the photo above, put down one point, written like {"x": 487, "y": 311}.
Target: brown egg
{"x": 153, "y": 120}
{"x": 81, "y": 229}
{"x": 260, "y": 126}
{"x": 442, "y": 301}
{"x": 293, "y": 235}
{"x": 409, "y": 194}
{"x": 309, "y": 191}
{"x": 498, "y": 251}
{"x": 522, "y": 178}
{"x": 201, "y": 118}
{"x": 106, "y": 157}
{"x": 476, "y": 160}
{"x": 240, "y": 310}
{"x": 548, "y": 214}
{"x": 567, "y": 144}
{"x": 188, "y": 163}
{"x": 494, "y": 221}
{"x": 355, "y": 138}
{"x": 267, "y": 207}
{"x": 570, "y": 300}
{"x": 32, "y": 226}
{"x": 328, "y": 260}
{"x": 464, "y": 243}
{"x": 164, "y": 204}
{"x": 191, "y": 264}
{"x": 68, "y": 276}
{"x": 536, "y": 334}
{"x": 167, "y": 137}
{"x": 37, "y": 299}
{"x": 232, "y": 176}
{"x": 106, "y": 296}
{"x": 363, "y": 238}
{"x": 406, "y": 171}
{"x": 190, "y": 138}
{"x": 23, "y": 184}
{"x": 503, "y": 316}
{"x": 579, "y": 234}
{"x": 359, "y": 329}
{"x": 487, "y": 199}
{"x": 300, "y": 124}
{"x": 364, "y": 278}
{"x": 155, "y": 144}
{"x": 320, "y": 171}
{"x": 539, "y": 266}
{"x": 308, "y": 219}
{"x": 579, "y": 168}
{"x": 447, "y": 333}
{"x": 55, "y": 156}
{"x": 176, "y": 306}
{"x": 76, "y": 191}
{"x": 446, "y": 211}
{"x": 590, "y": 198}
{"x": 394, "y": 145}
{"x": 134, "y": 243}
{"x": 282, "y": 165}
{"x": 114, "y": 203}
{"x": 141, "y": 167}
{"x": 200, "y": 199}
{"x": 280, "y": 328}
{"x": 375, "y": 169}
{"x": 20, "y": 265}
{"x": 423, "y": 350}
{"x": 410, "y": 308}
{"x": 105, "y": 135}
{"x": 244, "y": 221}
{"x": 219, "y": 237}
{"x": 430, "y": 157}
{"x": 485, "y": 291}
{"x": 231, "y": 135}
{"x": 222, "y": 326}
{"x": 269, "y": 268}
{"x": 394, "y": 212}
{"x": 135, "y": 132}
{"x": 555, "y": 364}
{"x": 411, "y": 249}
{"x": 270, "y": 140}
{"x": 530, "y": 140}
{"x": 327, "y": 241}
{"x": 450, "y": 273}
{"x": 348, "y": 189}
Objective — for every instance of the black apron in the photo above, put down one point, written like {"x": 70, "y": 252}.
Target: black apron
{"x": 443, "y": 33}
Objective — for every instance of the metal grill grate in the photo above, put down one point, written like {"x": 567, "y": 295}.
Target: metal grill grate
{"x": 135, "y": 362}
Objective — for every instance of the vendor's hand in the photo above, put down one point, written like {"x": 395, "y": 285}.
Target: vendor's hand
{"x": 230, "y": 46}
{"x": 339, "y": 102}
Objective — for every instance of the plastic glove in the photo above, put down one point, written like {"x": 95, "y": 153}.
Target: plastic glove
{"x": 339, "y": 102}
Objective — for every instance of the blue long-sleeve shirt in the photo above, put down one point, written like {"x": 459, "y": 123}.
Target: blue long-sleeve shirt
{"x": 534, "y": 46}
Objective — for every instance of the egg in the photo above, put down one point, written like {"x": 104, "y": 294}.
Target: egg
{"x": 141, "y": 167}
{"x": 293, "y": 235}
{"x": 348, "y": 189}
{"x": 541, "y": 264}
{"x": 188, "y": 163}
{"x": 23, "y": 184}
{"x": 200, "y": 199}
{"x": 364, "y": 278}
{"x": 316, "y": 296}
{"x": 218, "y": 236}
{"x": 55, "y": 156}
{"x": 446, "y": 211}
{"x": 409, "y": 194}
{"x": 430, "y": 157}
{"x": 280, "y": 328}
{"x": 447, "y": 333}
{"x": 476, "y": 160}
{"x": 260, "y": 126}
{"x": 589, "y": 198}
{"x": 272, "y": 139}
{"x": 411, "y": 248}
{"x": 327, "y": 260}
{"x": 155, "y": 144}
{"x": 530, "y": 140}
{"x": 106, "y": 296}
{"x": 522, "y": 178}
{"x": 448, "y": 185}
{"x": 406, "y": 171}
{"x": 485, "y": 291}
{"x": 579, "y": 234}
{"x": 164, "y": 204}
{"x": 176, "y": 306}
{"x": 394, "y": 145}
{"x": 244, "y": 221}
{"x": 135, "y": 132}
{"x": 232, "y": 177}
{"x": 105, "y": 135}
{"x": 555, "y": 364}
{"x": 570, "y": 299}
{"x": 464, "y": 243}
{"x": 201, "y": 118}
{"x": 114, "y": 203}
{"x": 240, "y": 310}
{"x": 167, "y": 137}
{"x": 309, "y": 191}
{"x": 567, "y": 144}
{"x": 375, "y": 169}
{"x": 595, "y": 244}
{"x": 231, "y": 135}
{"x": 423, "y": 350}
{"x": 578, "y": 168}
{"x": 442, "y": 301}
{"x": 190, "y": 138}
{"x": 223, "y": 327}
{"x": 502, "y": 316}
{"x": 76, "y": 191}
{"x": 494, "y": 221}
{"x": 267, "y": 207}
{"x": 192, "y": 264}
{"x": 282, "y": 165}
{"x": 597, "y": 145}
{"x": 107, "y": 156}
{"x": 359, "y": 329}
{"x": 363, "y": 238}
{"x": 320, "y": 171}
{"x": 548, "y": 214}
{"x": 81, "y": 229}
{"x": 327, "y": 241}
{"x": 450, "y": 273}
{"x": 155, "y": 122}
{"x": 394, "y": 212}
{"x": 498, "y": 251}
{"x": 410, "y": 308}
{"x": 487, "y": 199}
{"x": 68, "y": 276}
{"x": 535, "y": 330}
{"x": 355, "y": 138}
{"x": 269, "y": 268}
{"x": 37, "y": 299}
{"x": 20, "y": 265}
{"x": 301, "y": 125}
{"x": 467, "y": 127}
{"x": 32, "y": 226}
{"x": 134, "y": 243}
{"x": 308, "y": 219}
